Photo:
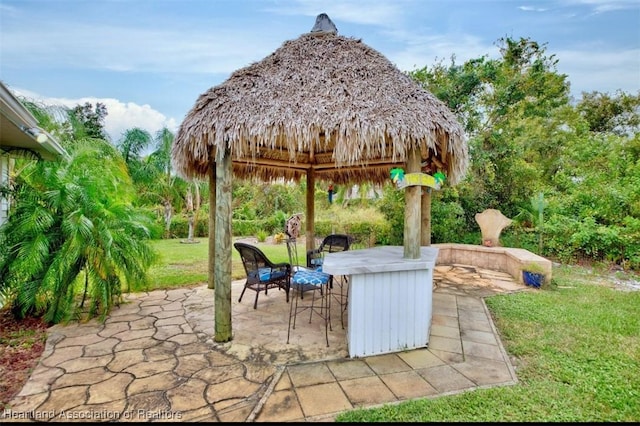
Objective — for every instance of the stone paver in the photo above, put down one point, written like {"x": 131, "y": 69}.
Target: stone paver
{"x": 155, "y": 359}
{"x": 366, "y": 391}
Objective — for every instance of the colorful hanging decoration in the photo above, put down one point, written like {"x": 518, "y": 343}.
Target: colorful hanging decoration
{"x": 397, "y": 174}
{"x": 403, "y": 180}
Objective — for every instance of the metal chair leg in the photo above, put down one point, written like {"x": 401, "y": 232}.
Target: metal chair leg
{"x": 323, "y": 311}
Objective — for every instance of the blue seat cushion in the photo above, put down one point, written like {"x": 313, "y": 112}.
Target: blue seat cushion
{"x": 317, "y": 261}
{"x": 267, "y": 274}
{"x": 310, "y": 277}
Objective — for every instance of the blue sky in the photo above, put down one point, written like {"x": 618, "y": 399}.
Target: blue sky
{"x": 149, "y": 60}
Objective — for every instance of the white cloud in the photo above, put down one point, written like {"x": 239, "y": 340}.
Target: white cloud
{"x": 532, "y": 9}
{"x": 121, "y": 116}
{"x": 124, "y": 116}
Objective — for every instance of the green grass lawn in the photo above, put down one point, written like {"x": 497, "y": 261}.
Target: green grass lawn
{"x": 184, "y": 264}
{"x": 576, "y": 349}
{"x": 575, "y": 346}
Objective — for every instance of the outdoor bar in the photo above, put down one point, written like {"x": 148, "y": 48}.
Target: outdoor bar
{"x": 262, "y": 124}
{"x": 390, "y": 298}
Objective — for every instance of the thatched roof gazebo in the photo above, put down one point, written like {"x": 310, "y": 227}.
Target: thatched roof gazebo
{"x": 323, "y": 107}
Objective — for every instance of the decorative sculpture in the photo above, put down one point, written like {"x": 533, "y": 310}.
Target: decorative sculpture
{"x": 492, "y": 222}
{"x": 293, "y": 225}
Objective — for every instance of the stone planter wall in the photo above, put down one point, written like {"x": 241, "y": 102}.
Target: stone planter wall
{"x": 503, "y": 259}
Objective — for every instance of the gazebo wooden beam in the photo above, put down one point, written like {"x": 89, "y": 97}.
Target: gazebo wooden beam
{"x": 212, "y": 218}
{"x": 275, "y": 163}
{"x": 425, "y": 229}
{"x": 362, "y": 165}
{"x": 310, "y": 217}
{"x": 222, "y": 303}
{"x": 319, "y": 167}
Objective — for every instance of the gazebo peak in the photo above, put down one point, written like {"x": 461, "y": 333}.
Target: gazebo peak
{"x": 324, "y": 24}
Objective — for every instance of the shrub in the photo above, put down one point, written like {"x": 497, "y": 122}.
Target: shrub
{"x": 447, "y": 222}
{"x": 245, "y": 227}
{"x": 392, "y": 205}
{"x": 367, "y": 226}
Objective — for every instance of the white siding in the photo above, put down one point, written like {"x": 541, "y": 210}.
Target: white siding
{"x": 389, "y": 311}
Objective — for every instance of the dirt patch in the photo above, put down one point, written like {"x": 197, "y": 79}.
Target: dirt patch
{"x": 21, "y": 345}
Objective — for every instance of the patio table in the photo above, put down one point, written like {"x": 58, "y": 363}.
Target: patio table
{"x": 390, "y": 298}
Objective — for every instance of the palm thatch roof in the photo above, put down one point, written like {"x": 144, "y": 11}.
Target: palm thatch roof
{"x": 325, "y": 104}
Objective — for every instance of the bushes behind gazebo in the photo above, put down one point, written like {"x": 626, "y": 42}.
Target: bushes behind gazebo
{"x": 367, "y": 226}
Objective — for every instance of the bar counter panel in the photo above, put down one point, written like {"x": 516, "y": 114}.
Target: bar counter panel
{"x": 390, "y": 298}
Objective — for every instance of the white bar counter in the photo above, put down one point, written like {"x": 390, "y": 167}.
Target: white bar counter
{"x": 390, "y": 297}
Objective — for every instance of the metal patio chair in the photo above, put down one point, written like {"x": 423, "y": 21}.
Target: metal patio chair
{"x": 262, "y": 273}
{"x": 312, "y": 283}
{"x": 331, "y": 244}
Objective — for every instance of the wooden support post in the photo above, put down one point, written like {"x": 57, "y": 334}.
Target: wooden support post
{"x": 412, "y": 208}
{"x": 222, "y": 302}
{"x": 310, "y": 216}
{"x": 425, "y": 229}
{"x": 211, "y": 282}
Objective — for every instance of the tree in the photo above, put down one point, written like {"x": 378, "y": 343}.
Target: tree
{"x": 498, "y": 101}
{"x": 132, "y": 145}
{"x": 154, "y": 179}
{"x": 74, "y": 236}
{"x": 88, "y": 121}
{"x": 619, "y": 114}
{"x": 458, "y": 86}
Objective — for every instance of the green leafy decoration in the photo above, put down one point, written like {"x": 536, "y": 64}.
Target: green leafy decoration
{"x": 397, "y": 174}
{"x": 439, "y": 177}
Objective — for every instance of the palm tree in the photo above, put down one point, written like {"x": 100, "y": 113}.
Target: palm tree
{"x": 73, "y": 236}
{"x": 133, "y": 143}
{"x": 156, "y": 182}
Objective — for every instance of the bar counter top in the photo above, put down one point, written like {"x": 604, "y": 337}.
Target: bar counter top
{"x": 377, "y": 259}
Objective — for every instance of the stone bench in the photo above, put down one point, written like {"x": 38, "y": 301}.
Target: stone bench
{"x": 503, "y": 259}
